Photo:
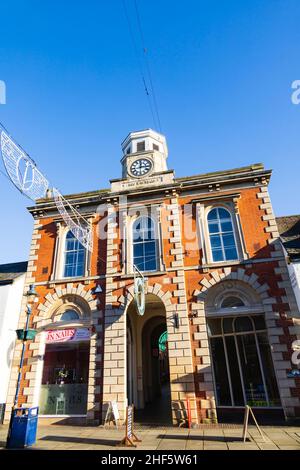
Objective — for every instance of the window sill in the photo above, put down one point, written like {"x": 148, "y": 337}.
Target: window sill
{"x": 66, "y": 280}
{"x": 145, "y": 273}
{"x": 222, "y": 264}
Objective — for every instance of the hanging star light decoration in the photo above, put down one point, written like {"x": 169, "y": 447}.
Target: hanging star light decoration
{"x": 22, "y": 170}
{"x": 78, "y": 225}
{"x": 26, "y": 177}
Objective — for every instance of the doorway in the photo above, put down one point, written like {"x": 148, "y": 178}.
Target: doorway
{"x": 156, "y": 376}
{"x": 148, "y": 377}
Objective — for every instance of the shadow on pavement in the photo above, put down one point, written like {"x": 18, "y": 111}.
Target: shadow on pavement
{"x": 81, "y": 440}
{"x": 202, "y": 438}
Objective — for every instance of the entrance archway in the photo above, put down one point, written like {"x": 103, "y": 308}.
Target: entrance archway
{"x": 148, "y": 377}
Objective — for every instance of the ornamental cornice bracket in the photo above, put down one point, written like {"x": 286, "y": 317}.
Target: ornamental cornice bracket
{"x": 236, "y": 204}
{"x": 38, "y": 214}
{"x": 214, "y": 187}
{"x": 265, "y": 181}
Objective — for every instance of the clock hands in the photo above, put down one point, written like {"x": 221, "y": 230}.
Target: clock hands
{"x": 140, "y": 167}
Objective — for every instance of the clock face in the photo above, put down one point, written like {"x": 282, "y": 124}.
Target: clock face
{"x": 140, "y": 167}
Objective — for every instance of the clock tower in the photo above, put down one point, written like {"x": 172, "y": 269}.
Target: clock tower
{"x": 144, "y": 154}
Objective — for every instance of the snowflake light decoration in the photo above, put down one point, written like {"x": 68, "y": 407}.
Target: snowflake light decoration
{"x": 22, "y": 170}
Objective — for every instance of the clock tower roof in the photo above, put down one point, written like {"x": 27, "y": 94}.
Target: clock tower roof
{"x": 150, "y": 138}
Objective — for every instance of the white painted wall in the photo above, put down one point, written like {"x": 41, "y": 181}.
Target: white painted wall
{"x": 294, "y": 270}
{"x": 10, "y": 305}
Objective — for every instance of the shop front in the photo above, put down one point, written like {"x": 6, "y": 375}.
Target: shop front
{"x": 64, "y": 387}
{"x": 242, "y": 355}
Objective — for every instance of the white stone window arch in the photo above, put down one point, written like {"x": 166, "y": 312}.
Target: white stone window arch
{"x": 232, "y": 297}
{"x": 71, "y": 310}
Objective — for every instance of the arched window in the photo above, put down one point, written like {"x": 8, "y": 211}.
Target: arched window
{"x": 232, "y": 302}
{"x": 74, "y": 257}
{"x": 69, "y": 315}
{"x": 144, "y": 244}
{"x": 221, "y": 235}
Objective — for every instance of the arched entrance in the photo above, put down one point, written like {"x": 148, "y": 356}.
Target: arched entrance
{"x": 148, "y": 378}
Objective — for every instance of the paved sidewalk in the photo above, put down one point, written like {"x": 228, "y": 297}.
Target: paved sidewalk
{"x": 57, "y": 437}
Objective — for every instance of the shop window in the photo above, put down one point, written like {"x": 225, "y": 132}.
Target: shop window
{"x": 221, "y": 376}
{"x": 221, "y": 235}
{"x": 242, "y": 362}
{"x": 243, "y": 324}
{"x": 227, "y": 325}
{"x": 74, "y": 257}
{"x": 144, "y": 244}
{"x": 214, "y": 326}
{"x": 259, "y": 322}
{"x": 64, "y": 386}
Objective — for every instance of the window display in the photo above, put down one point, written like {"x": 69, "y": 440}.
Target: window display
{"x": 65, "y": 379}
{"x": 242, "y": 362}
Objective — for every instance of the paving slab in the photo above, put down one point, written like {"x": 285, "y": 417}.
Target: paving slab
{"x": 268, "y": 447}
{"x": 194, "y": 445}
{"x": 288, "y": 447}
{"x": 242, "y": 446}
{"x": 52, "y": 437}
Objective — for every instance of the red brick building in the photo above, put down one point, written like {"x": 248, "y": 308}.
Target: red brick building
{"x": 220, "y": 314}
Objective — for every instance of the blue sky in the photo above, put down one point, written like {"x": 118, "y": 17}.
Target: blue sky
{"x": 222, "y": 72}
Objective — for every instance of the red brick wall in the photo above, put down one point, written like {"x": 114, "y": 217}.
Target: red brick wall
{"x": 256, "y": 242}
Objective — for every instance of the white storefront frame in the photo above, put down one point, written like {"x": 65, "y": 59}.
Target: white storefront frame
{"x": 49, "y": 318}
{"x": 40, "y": 367}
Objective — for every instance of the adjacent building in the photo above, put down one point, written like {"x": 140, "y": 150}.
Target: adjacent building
{"x": 12, "y": 278}
{"x": 289, "y": 230}
{"x": 220, "y": 310}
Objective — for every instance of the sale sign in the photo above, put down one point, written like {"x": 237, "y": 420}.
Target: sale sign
{"x": 68, "y": 334}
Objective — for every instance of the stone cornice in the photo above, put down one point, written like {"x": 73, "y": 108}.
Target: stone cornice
{"x": 254, "y": 175}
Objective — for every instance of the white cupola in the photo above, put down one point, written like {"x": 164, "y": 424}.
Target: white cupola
{"x": 144, "y": 153}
